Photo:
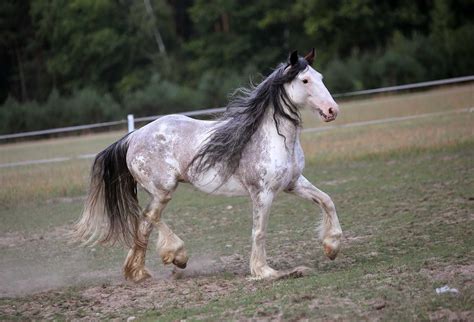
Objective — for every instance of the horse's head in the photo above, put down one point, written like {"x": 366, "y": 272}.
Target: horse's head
{"x": 307, "y": 90}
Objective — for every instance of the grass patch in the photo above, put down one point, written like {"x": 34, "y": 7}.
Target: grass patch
{"x": 404, "y": 194}
{"x": 407, "y": 222}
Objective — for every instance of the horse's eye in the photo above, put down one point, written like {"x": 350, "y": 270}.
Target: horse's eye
{"x": 305, "y": 81}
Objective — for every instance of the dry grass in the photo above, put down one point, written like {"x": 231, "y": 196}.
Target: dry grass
{"x": 407, "y": 222}
{"x": 392, "y": 137}
{"x": 404, "y": 195}
{"x": 437, "y": 100}
{"x": 30, "y": 184}
{"x": 68, "y": 179}
{"x": 60, "y": 147}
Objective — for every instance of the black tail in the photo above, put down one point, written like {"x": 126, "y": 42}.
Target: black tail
{"x": 111, "y": 212}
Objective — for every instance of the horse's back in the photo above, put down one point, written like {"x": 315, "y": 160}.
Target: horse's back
{"x": 160, "y": 152}
{"x": 174, "y": 126}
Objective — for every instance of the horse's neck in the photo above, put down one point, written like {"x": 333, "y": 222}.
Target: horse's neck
{"x": 285, "y": 131}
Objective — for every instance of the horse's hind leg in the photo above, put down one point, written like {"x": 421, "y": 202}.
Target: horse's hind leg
{"x": 170, "y": 247}
{"x": 134, "y": 266}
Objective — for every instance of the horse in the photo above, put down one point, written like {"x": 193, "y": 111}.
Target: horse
{"x": 252, "y": 150}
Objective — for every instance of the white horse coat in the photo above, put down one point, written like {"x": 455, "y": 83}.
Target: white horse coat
{"x": 254, "y": 150}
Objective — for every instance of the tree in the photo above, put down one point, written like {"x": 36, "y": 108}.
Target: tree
{"x": 21, "y": 58}
{"x": 97, "y": 43}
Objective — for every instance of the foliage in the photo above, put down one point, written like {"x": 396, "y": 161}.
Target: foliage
{"x": 111, "y": 47}
{"x": 404, "y": 60}
{"x": 84, "y": 106}
{"x": 162, "y": 96}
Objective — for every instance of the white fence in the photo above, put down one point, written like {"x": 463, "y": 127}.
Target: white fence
{"x": 131, "y": 120}
{"x": 307, "y": 130}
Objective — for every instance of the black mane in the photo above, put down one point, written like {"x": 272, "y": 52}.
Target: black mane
{"x": 243, "y": 117}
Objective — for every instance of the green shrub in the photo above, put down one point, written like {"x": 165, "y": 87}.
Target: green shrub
{"x": 161, "y": 96}
{"x": 88, "y": 106}
{"x": 82, "y": 107}
{"x": 217, "y": 85}
{"x": 17, "y": 117}
{"x": 459, "y": 51}
{"x": 339, "y": 77}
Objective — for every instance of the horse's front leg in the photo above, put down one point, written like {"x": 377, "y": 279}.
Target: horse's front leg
{"x": 259, "y": 268}
{"x": 330, "y": 231}
{"x": 258, "y": 260}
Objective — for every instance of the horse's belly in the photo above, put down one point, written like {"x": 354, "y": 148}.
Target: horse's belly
{"x": 211, "y": 182}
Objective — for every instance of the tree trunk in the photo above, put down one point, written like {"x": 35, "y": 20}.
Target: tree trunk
{"x": 21, "y": 73}
{"x": 225, "y": 22}
{"x": 156, "y": 32}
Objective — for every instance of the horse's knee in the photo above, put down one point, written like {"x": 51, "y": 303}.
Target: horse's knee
{"x": 328, "y": 203}
{"x": 259, "y": 236}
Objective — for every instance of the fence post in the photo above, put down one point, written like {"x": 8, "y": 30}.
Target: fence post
{"x": 131, "y": 123}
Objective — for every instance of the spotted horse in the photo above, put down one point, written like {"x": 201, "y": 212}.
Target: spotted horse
{"x": 252, "y": 150}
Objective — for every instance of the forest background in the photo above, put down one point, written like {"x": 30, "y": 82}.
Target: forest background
{"x": 70, "y": 62}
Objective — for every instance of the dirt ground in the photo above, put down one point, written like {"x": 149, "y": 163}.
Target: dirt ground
{"x": 405, "y": 199}
{"x": 105, "y": 295}
{"x": 109, "y": 296}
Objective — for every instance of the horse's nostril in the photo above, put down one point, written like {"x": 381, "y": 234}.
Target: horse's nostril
{"x": 331, "y": 111}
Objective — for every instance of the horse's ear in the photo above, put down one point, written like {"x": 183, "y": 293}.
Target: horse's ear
{"x": 293, "y": 59}
{"x": 310, "y": 57}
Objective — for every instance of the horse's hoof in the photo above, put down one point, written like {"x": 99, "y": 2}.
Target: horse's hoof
{"x": 138, "y": 275}
{"x": 263, "y": 273}
{"x": 330, "y": 252}
{"x": 296, "y": 272}
{"x": 180, "y": 264}
{"x": 179, "y": 257}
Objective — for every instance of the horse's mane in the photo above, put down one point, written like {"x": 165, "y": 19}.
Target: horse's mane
{"x": 244, "y": 114}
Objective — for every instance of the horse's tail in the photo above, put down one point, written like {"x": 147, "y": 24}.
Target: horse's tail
{"x": 111, "y": 211}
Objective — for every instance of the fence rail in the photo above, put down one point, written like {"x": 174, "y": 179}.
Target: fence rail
{"x": 307, "y": 130}
{"x": 408, "y": 86}
{"x": 131, "y": 120}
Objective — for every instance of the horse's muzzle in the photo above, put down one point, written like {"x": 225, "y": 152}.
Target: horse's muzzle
{"x": 330, "y": 116}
